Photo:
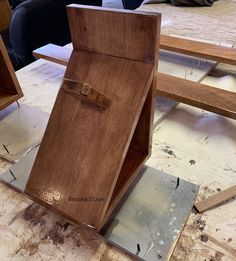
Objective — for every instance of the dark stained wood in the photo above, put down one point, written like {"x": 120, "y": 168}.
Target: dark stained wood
{"x": 10, "y": 89}
{"x": 94, "y": 155}
{"x": 199, "y": 49}
{"x": 137, "y": 42}
{"x": 192, "y": 93}
{"x": 198, "y": 95}
{"x": 5, "y": 15}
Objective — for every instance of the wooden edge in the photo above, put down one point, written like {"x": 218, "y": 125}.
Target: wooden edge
{"x": 108, "y": 9}
{"x": 192, "y": 93}
{"x": 10, "y": 68}
{"x": 9, "y": 99}
{"x": 53, "y": 53}
{"x": 198, "y": 49}
{"x": 174, "y": 44}
{"x": 196, "y": 94}
{"x": 216, "y": 199}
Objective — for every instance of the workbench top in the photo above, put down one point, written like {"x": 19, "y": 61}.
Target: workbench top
{"x": 189, "y": 143}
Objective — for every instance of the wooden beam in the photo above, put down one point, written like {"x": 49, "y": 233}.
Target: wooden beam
{"x": 184, "y": 46}
{"x": 10, "y": 90}
{"x": 198, "y": 95}
{"x": 5, "y": 14}
{"x": 192, "y": 93}
{"x": 199, "y": 49}
{"x": 216, "y": 199}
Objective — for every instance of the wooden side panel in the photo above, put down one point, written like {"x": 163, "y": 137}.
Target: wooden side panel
{"x": 118, "y": 33}
{"x": 5, "y": 14}
{"x": 10, "y": 89}
{"x": 82, "y": 141}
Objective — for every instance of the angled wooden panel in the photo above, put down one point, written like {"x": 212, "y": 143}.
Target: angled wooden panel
{"x": 10, "y": 89}
{"x": 98, "y": 135}
{"x": 82, "y": 141}
{"x": 114, "y": 32}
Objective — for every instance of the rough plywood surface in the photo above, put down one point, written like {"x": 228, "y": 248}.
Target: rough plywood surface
{"x": 40, "y": 83}
{"x": 153, "y": 218}
{"x": 32, "y": 232}
{"x": 214, "y": 23}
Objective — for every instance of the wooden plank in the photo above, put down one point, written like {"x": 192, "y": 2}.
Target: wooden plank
{"x": 199, "y": 49}
{"x": 5, "y": 14}
{"x": 138, "y": 42}
{"x": 198, "y": 95}
{"x": 100, "y": 155}
{"x": 192, "y": 93}
{"x": 8, "y": 81}
{"x": 53, "y": 53}
{"x": 216, "y": 199}
{"x": 169, "y": 43}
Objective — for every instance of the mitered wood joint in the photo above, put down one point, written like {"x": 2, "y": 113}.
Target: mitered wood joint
{"x": 86, "y": 92}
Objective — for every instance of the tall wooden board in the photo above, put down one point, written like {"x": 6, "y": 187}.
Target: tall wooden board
{"x": 10, "y": 89}
{"x": 99, "y": 132}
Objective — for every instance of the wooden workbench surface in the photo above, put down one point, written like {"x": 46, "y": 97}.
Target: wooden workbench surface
{"x": 190, "y": 143}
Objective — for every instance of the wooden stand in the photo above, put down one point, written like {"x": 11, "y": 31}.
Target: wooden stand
{"x": 10, "y": 90}
{"x": 99, "y": 133}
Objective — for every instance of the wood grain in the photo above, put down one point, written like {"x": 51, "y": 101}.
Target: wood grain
{"x": 198, "y": 95}
{"x": 114, "y": 32}
{"x": 216, "y": 199}
{"x": 98, "y": 155}
{"x": 10, "y": 89}
{"x": 5, "y": 14}
{"x": 192, "y": 93}
{"x": 199, "y": 49}
{"x": 105, "y": 161}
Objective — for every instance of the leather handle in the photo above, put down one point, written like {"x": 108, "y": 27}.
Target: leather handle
{"x": 86, "y": 92}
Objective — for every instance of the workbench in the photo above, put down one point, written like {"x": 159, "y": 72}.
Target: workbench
{"x": 189, "y": 143}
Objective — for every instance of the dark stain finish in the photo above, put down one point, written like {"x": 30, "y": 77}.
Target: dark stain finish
{"x": 34, "y": 214}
